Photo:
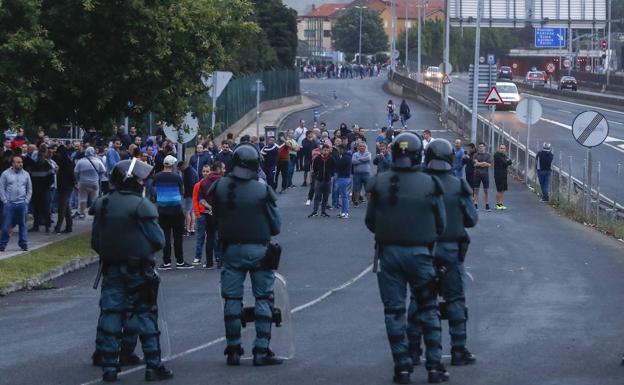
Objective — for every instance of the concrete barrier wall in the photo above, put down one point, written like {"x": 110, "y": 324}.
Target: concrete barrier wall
{"x": 250, "y": 116}
{"x": 571, "y": 95}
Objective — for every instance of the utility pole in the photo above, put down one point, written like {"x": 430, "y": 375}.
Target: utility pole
{"x": 406, "y": 39}
{"x": 393, "y": 16}
{"x": 475, "y": 77}
{"x": 446, "y": 58}
{"x": 609, "y": 45}
{"x": 572, "y": 59}
{"x": 419, "y": 30}
{"x": 360, "y": 46}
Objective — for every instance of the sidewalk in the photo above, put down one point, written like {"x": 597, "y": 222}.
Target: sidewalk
{"x": 277, "y": 116}
{"x": 40, "y": 239}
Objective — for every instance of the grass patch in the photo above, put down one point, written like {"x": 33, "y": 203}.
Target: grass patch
{"x": 29, "y": 265}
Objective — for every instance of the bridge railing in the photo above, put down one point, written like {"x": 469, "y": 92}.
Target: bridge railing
{"x": 579, "y": 196}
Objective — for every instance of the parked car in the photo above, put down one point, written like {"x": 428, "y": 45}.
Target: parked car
{"x": 568, "y": 82}
{"x": 509, "y": 93}
{"x": 537, "y": 78}
{"x": 433, "y": 73}
{"x": 504, "y": 72}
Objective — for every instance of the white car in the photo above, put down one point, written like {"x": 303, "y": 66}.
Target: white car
{"x": 433, "y": 73}
{"x": 509, "y": 93}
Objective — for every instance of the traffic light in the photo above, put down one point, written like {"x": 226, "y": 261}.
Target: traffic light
{"x": 603, "y": 44}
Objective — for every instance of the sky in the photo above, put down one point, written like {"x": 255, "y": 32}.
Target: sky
{"x": 302, "y": 5}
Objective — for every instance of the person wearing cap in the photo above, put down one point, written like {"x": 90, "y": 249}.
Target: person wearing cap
{"x": 88, "y": 171}
{"x": 543, "y": 165}
{"x": 167, "y": 192}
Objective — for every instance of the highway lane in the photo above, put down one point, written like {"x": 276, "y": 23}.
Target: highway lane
{"x": 555, "y": 127}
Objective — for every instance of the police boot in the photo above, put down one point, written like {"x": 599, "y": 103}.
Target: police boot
{"x": 461, "y": 356}
{"x": 402, "y": 375}
{"x": 437, "y": 373}
{"x": 264, "y": 357}
{"x": 233, "y": 354}
{"x": 109, "y": 376}
{"x": 127, "y": 358}
{"x": 157, "y": 373}
{"x": 96, "y": 358}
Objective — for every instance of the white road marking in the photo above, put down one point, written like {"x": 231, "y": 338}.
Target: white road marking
{"x": 606, "y": 142}
{"x": 612, "y": 122}
{"x": 578, "y": 104}
{"x": 221, "y": 339}
{"x": 566, "y": 111}
{"x": 470, "y": 276}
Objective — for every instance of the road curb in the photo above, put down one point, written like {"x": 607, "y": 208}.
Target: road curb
{"x": 65, "y": 268}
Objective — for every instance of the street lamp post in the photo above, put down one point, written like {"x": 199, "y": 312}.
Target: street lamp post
{"x": 609, "y": 45}
{"x": 419, "y": 43}
{"x": 406, "y": 40}
{"x": 360, "y": 43}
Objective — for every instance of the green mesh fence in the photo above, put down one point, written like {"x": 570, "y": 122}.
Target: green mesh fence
{"x": 239, "y": 97}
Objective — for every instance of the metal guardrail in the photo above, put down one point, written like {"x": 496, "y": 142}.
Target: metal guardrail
{"x": 565, "y": 188}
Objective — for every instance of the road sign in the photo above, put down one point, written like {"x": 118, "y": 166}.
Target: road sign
{"x": 529, "y": 111}
{"x": 493, "y": 98}
{"x": 550, "y": 37}
{"x": 567, "y": 63}
{"x": 222, "y": 80}
{"x": 550, "y": 67}
{"x": 186, "y": 132}
{"x": 490, "y": 59}
{"x": 396, "y": 55}
{"x": 254, "y": 87}
{"x": 588, "y": 68}
{"x": 590, "y": 128}
{"x": 486, "y": 79}
{"x": 448, "y": 70}
{"x": 446, "y": 79}
{"x": 514, "y": 66}
{"x": 481, "y": 59}
{"x": 604, "y": 44}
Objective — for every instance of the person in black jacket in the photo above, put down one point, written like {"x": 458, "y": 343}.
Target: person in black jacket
{"x": 404, "y": 113}
{"x": 543, "y": 164}
{"x": 42, "y": 176}
{"x": 501, "y": 163}
{"x": 307, "y": 145}
{"x": 323, "y": 168}
{"x": 467, "y": 160}
{"x": 65, "y": 183}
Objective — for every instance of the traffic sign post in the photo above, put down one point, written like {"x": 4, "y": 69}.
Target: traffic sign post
{"x": 490, "y": 59}
{"x": 493, "y": 98}
{"x": 550, "y": 37}
{"x": 550, "y": 68}
{"x": 446, "y": 79}
{"x": 590, "y": 129}
{"x": 529, "y": 111}
{"x": 217, "y": 81}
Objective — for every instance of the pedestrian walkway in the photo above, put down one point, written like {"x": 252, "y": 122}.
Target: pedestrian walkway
{"x": 276, "y": 116}
{"x": 40, "y": 239}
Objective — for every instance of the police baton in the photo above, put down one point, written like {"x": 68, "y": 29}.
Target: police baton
{"x": 98, "y": 277}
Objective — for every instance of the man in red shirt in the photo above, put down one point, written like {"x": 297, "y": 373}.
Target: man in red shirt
{"x": 217, "y": 169}
{"x": 283, "y": 159}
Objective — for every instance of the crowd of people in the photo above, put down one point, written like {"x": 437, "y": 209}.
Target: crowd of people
{"x": 339, "y": 71}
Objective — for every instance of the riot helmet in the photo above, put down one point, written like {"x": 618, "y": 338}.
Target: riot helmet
{"x": 129, "y": 175}
{"x": 439, "y": 155}
{"x": 246, "y": 161}
{"x": 406, "y": 150}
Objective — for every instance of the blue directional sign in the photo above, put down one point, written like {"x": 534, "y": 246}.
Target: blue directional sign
{"x": 490, "y": 60}
{"x": 550, "y": 37}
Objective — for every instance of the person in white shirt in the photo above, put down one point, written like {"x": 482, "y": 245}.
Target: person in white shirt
{"x": 299, "y": 135}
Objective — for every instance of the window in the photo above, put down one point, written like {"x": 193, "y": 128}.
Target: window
{"x": 309, "y": 33}
{"x": 327, "y": 33}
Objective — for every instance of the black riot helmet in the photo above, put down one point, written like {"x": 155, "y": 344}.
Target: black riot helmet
{"x": 130, "y": 175}
{"x": 406, "y": 150}
{"x": 439, "y": 155}
{"x": 246, "y": 161}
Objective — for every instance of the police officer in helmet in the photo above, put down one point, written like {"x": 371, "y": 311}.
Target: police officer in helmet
{"x": 406, "y": 213}
{"x": 247, "y": 217}
{"x": 126, "y": 236}
{"x": 450, "y": 251}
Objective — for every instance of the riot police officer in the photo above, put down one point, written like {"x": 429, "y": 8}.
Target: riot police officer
{"x": 126, "y": 235}
{"x": 406, "y": 213}
{"x": 247, "y": 217}
{"x": 449, "y": 255}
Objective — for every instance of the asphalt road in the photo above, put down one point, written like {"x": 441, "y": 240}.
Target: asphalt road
{"x": 544, "y": 293}
{"x": 555, "y": 126}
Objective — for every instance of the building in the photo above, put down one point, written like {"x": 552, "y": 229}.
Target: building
{"x": 315, "y": 28}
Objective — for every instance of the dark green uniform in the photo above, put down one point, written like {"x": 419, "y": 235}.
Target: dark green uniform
{"x": 246, "y": 217}
{"x": 126, "y": 235}
{"x": 406, "y": 213}
{"x": 460, "y": 213}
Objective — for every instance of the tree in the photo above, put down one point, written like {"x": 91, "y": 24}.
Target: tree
{"x": 153, "y": 53}
{"x": 279, "y": 25}
{"x": 25, "y": 51}
{"x": 346, "y": 32}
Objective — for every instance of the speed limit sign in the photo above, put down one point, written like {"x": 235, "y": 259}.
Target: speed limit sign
{"x": 550, "y": 67}
{"x": 566, "y": 63}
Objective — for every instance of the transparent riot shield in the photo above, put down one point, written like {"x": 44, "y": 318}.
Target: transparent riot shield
{"x": 472, "y": 305}
{"x": 163, "y": 326}
{"x": 282, "y": 338}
